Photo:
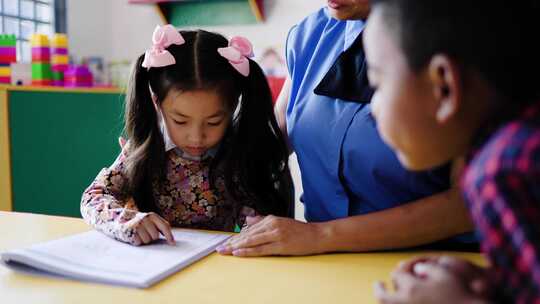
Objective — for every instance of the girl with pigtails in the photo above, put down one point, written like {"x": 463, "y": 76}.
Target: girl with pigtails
{"x": 203, "y": 147}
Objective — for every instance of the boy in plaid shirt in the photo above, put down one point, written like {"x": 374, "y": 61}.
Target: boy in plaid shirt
{"x": 453, "y": 78}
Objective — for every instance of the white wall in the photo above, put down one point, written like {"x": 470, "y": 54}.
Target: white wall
{"x": 88, "y": 23}
{"x": 132, "y": 33}
{"x": 117, "y": 30}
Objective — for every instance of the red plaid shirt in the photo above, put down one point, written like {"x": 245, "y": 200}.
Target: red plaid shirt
{"x": 502, "y": 188}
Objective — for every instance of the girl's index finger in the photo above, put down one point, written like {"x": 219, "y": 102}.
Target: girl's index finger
{"x": 165, "y": 229}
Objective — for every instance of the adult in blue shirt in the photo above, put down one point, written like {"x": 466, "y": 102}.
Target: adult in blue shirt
{"x": 357, "y": 196}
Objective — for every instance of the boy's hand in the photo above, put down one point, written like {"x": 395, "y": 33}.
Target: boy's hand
{"x": 150, "y": 228}
{"x": 475, "y": 277}
{"x": 436, "y": 280}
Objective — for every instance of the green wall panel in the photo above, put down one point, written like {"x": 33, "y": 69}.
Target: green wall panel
{"x": 59, "y": 142}
{"x": 214, "y": 12}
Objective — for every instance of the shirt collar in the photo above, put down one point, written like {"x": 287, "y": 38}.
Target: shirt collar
{"x": 208, "y": 154}
{"x": 353, "y": 28}
{"x": 347, "y": 79}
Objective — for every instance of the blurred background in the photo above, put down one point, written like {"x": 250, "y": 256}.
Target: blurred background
{"x": 63, "y": 69}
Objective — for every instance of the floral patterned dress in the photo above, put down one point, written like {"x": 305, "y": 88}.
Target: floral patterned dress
{"x": 184, "y": 199}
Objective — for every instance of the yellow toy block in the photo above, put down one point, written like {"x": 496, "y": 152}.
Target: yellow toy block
{"x": 39, "y": 40}
{"x": 59, "y": 59}
{"x": 5, "y": 71}
{"x": 59, "y": 41}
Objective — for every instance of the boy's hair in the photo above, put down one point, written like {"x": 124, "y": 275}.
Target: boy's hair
{"x": 498, "y": 39}
{"x": 253, "y": 156}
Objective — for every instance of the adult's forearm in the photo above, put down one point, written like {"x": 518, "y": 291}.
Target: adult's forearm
{"x": 424, "y": 221}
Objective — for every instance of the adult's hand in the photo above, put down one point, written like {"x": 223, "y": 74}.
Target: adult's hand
{"x": 273, "y": 235}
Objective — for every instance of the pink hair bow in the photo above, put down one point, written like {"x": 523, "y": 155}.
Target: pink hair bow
{"x": 237, "y": 53}
{"x": 163, "y": 37}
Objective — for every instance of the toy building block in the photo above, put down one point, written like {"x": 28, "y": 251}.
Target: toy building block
{"x": 78, "y": 76}
{"x": 41, "y": 74}
{"x": 59, "y": 58}
{"x": 59, "y": 41}
{"x": 5, "y": 74}
{"x": 39, "y": 40}
{"x": 41, "y": 60}
{"x": 57, "y": 78}
{"x": 8, "y": 40}
{"x": 8, "y": 55}
{"x": 59, "y": 52}
{"x": 41, "y": 54}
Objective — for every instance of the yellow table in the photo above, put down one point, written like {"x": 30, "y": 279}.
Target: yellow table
{"x": 331, "y": 278}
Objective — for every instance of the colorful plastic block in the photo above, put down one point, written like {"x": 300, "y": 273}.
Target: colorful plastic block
{"x": 41, "y": 60}
{"x": 5, "y": 74}
{"x": 59, "y": 59}
{"x": 8, "y": 40}
{"x": 59, "y": 51}
{"x": 41, "y": 71}
{"x": 5, "y": 71}
{"x": 57, "y": 78}
{"x": 78, "y": 76}
{"x": 41, "y": 54}
{"x": 59, "y": 41}
{"x": 8, "y": 55}
{"x": 39, "y": 40}
{"x": 41, "y": 82}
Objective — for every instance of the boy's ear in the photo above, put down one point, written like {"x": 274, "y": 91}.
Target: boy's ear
{"x": 446, "y": 84}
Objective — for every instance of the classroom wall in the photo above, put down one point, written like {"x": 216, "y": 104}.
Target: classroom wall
{"x": 117, "y": 30}
{"x": 89, "y": 23}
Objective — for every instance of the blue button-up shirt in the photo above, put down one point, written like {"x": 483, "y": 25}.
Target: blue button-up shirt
{"x": 346, "y": 168}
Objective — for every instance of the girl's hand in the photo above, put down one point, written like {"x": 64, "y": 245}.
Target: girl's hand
{"x": 272, "y": 235}
{"x": 149, "y": 229}
{"x": 434, "y": 280}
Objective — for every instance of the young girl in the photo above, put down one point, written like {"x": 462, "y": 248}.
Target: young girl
{"x": 457, "y": 77}
{"x": 203, "y": 151}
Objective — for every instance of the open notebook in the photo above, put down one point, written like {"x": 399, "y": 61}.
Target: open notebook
{"x": 94, "y": 257}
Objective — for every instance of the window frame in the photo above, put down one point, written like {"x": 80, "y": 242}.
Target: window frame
{"x": 57, "y": 22}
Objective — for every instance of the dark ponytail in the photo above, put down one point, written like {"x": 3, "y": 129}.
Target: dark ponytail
{"x": 258, "y": 153}
{"x": 146, "y": 152}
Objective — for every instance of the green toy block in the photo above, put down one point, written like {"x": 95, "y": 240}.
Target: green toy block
{"x": 57, "y": 75}
{"x": 8, "y": 40}
{"x": 41, "y": 71}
